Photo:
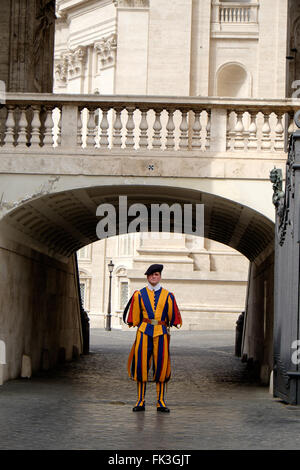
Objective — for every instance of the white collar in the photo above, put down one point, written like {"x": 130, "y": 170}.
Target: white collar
{"x": 155, "y": 288}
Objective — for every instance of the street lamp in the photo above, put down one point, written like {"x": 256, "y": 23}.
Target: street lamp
{"x": 108, "y": 316}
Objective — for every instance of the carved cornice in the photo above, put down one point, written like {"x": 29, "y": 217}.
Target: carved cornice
{"x": 106, "y": 50}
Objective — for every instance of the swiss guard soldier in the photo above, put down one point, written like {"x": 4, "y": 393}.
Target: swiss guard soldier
{"x": 153, "y": 310}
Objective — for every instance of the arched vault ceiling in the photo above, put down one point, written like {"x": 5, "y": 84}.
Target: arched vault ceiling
{"x": 61, "y": 223}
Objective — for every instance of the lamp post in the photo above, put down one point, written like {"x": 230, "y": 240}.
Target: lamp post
{"x": 108, "y": 316}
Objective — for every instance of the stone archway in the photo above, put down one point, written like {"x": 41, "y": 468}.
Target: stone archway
{"x": 44, "y": 306}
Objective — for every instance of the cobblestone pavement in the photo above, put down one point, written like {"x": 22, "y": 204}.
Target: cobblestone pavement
{"x": 87, "y": 404}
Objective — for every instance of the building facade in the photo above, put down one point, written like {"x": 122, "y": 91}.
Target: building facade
{"x": 172, "y": 48}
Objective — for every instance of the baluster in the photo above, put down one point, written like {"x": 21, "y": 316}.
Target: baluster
{"x": 157, "y": 127}
{"x": 291, "y": 127}
{"x": 48, "y": 136}
{"x": 196, "y": 137}
{"x": 35, "y": 127}
{"x": 91, "y": 129}
{"x": 117, "y": 129}
{"x": 104, "y": 128}
{"x": 220, "y": 14}
{"x": 144, "y": 129}
{"x": 170, "y": 141}
{"x": 22, "y": 134}
{"x": 234, "y": 15}
{"x": 266, "y": 133}
{"x": 183, "y": 139}
{"x": 129, "y": 143}
{"x": 279, "y": 131}
{"x": 9, "y": 138}
{"x": 2, "y": 128}
{"x": 58, "y": 137}
{"x": 228, "y": 131}
{"x": 252, "y": 141}
{"x": 79, "y": 128}
{"x": 239, "y": 142}
{"x": 208, "y": 127}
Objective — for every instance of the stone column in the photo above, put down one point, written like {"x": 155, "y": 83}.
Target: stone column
{"x": 293, "y": 50}
{"x": 27, "y": 40}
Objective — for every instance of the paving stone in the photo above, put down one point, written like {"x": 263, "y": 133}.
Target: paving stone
{"x": 87, "y": 404}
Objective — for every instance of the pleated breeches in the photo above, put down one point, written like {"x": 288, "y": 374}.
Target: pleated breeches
{"x": 147, "y": 350}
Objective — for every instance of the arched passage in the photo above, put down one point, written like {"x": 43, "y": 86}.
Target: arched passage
{"x": 61, "y": 223}
{"x": 54, "y": 226}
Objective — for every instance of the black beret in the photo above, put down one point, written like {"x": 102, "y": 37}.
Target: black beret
{"x": 154, "y": 268}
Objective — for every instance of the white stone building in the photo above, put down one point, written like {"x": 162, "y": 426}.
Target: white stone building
{"x": 171, "y": 48}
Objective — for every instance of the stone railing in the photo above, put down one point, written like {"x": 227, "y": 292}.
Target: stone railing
{"x": 235, "y": 12}
{"x": 89, "y": 123}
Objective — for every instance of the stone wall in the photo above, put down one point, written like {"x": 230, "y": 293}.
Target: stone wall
{"x": 258, "y": 335}
{"x": 39, "y": 310}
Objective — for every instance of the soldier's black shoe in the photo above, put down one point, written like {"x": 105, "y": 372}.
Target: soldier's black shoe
{"x": 138, "y": 408}
{"x": 163, "y": 409}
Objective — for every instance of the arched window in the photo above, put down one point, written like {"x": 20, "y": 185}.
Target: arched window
{"x": 233, "y": 81}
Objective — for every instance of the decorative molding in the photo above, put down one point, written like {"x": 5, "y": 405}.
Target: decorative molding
{"x": 76, "y": 61}
{"x": 132, "y": 3}
{"x": 61, "y": 69}
{"x": 282, "y": 199}
{"x": 70, "y": 65}
{"x": 106, "y": 51}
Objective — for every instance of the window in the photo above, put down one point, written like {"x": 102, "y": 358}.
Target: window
{"x": 84, "y": 253}
{"x": 124, "y": 292}
{"x": 85, "y": 288}
{"x": 82, "y": 293}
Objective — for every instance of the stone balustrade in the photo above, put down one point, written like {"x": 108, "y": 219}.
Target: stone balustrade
{"x": 90, "y": 123}
{"x": 235, "y": 12}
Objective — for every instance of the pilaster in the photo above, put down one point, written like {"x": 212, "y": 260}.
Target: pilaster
{"x": 133, "y": 37}
{"x": 272, "y": 49}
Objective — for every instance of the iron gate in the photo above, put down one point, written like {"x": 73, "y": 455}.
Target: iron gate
{"x": 286, "y": 373}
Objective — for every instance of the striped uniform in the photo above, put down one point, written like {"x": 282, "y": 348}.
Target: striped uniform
{"x": 152, "y": 341}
